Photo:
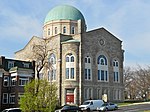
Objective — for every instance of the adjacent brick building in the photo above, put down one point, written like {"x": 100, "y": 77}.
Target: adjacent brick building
{"x": 86, "y": 64}
{"x": 14, "y": 74}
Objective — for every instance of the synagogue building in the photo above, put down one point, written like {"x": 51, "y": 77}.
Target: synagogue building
{"x": 86, "y": 64}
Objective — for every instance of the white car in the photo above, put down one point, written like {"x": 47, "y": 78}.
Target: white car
{"x": 108, "y": 106}
{"x": 12, "y": 110}
{"x": 91, "y": 105}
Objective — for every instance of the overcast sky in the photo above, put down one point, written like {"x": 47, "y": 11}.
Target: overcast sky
{"x": 129, "y": 20}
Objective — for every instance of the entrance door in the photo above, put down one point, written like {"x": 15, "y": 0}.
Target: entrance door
{"x": 70, "y": 96}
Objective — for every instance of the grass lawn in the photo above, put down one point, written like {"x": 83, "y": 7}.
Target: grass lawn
{"x": 145, "y": 111}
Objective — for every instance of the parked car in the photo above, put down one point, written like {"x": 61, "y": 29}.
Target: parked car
{"x": 68, "y": 108}
{"x": 108, "y": 106}
{"x": 12, "y": 110}
{"x": 91, "y": 105}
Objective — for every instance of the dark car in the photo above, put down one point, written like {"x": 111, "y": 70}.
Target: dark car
{"x": 68, "y": 108}
{"x": 12, "y": 110}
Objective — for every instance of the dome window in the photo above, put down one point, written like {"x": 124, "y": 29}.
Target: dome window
{"x": 72, "y": 30}
{"x": 49, "y": 32}
{"x": 64, "y": 29}
{"x": 55, "y": 30}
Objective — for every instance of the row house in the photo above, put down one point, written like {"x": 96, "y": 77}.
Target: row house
{"x": 14, "y": 75}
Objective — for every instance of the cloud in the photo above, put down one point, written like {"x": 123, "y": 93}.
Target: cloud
{"x": 129, "y": 20}
{"x": 19, "y": 26}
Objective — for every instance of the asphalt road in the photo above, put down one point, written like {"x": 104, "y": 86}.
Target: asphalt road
{"x": 134, "y": 108}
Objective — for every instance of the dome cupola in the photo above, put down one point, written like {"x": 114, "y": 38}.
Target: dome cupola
{"x": 64, "y": 12}
{"x": 63, "y": 19}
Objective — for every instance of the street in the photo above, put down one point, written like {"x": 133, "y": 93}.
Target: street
{"x": 134, "y": 108}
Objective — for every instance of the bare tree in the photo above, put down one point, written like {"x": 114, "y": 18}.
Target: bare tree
{"x": 137, "y": 82}
{"x": 143, "y": 81}
{"x": 130, "y": 83}
{"x": 40, "y": 53}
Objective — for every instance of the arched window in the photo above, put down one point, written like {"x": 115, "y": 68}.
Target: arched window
{"x": 99, "y": 93}
{"x": 87, "y": 70}
{"x": 49, "y": 32}
{"x": 102, "y": 60}
{"x": 72, "y": 58}
{"x": 102, "y": 68}
{"x": 70, "y": 66}
{"x": 87, "y": 59}
{"x": 52, "y": 59}
{"x": 67, "y": 58}
{"x": 72, "y": 30}
{"x": 64, "y": 29}
{"x": 88, "y": 93}
{"x": 116, "y": 71}
{"x": 55, "y": 30}
{"x": 52, "y": 67}
{"x": 115, "y": 63}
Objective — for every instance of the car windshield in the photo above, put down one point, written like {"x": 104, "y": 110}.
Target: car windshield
{"x": 69, "y": 107}
{"x": 105, "y": 104}
{"x": 66, "y": 107}
{"x": 86, "y": 103}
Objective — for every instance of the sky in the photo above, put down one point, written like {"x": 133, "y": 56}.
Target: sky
{"x": 128, "y": 20}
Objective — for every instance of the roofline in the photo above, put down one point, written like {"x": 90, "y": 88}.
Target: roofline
{"x": 28, "y": 43}
{"x": 102, "y": 28}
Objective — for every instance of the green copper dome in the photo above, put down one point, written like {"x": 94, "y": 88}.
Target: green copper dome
{"x": 64, "y": 12}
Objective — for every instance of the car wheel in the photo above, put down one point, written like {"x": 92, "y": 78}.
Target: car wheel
{"x": 106, "y": 109}
{"x": 116, "y": 108}
{"x": 88, "y": 109}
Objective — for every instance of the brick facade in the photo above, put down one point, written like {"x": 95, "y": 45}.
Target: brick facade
{"x": 14, "y": 74}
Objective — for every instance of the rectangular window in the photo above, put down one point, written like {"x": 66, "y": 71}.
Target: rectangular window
{"x": 67, "y": 73}
{"x": 116, "y": 77}
{"x": 5, "y": 98}
{"x": 98, "y": 74}
{"x": 54, "y": 75}
{"x": 85, "y": 73}
{"x": 6, "y": 81}
{"x": 10, "y": 64}
{"x": 49, "y": 78}
{"x": 13, "y": 81}
{"x": 106, "y": 77}
{"x": 72, "y": 73}
{"x": 89, "y": 74}
{"x": 23, "y": 81}
{"x": 26, "y": 65}
{"x": 102, "y": 75}
{"x": 12, "y": 98}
